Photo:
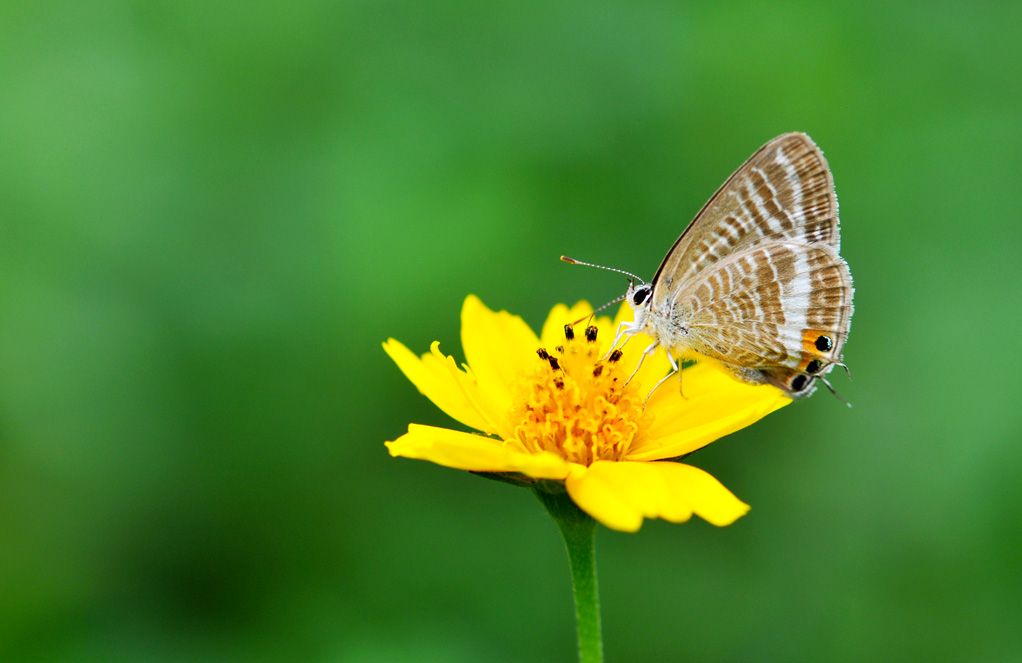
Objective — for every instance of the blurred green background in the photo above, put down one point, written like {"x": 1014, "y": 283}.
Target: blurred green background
{"x": 213, "y": 213}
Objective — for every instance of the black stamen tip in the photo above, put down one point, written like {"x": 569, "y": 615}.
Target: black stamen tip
{"x": 560, "y": 349}
{"x": 597, "y": 371}
{"x": 591, "y": 333}
{"x": 615, "y": 355}
{"x": 543, "y": 354}
{"x": 554, "y": 364}
{"x": 559, "y": 383}
{"x": 569, "y": 333}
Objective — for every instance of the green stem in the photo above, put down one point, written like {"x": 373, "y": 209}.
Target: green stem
{"x": 579, "y": 532}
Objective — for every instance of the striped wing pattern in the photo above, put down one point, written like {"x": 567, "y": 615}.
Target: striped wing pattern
{"x": 762, "y": 309}
{"x": 756, "y": 281}
{"x": 783, "y": 192}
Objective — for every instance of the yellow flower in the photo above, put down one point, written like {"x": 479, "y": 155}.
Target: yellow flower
{"x": 553, "y": 408}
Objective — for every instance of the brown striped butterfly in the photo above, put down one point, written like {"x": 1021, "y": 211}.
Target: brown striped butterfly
{"x": 755, "y": 282}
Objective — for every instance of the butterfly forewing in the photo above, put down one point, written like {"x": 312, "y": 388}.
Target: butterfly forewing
{"x": 784, "y": 192}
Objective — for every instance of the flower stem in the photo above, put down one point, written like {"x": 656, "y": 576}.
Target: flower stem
{"x": 579, "y": 532}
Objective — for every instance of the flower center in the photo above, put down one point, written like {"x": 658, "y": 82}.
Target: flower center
{"x": 576, "y": 405}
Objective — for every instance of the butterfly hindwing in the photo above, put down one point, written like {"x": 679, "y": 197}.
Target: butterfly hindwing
{"x": 771, "y": 312}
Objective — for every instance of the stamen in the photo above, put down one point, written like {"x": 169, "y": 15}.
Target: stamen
{"x": 582, "y": 411}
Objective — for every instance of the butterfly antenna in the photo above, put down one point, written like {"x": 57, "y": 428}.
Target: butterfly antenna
{"x": 591, "y": 315}
{"x": 836, "y": 395}
{"x": 609, "y": 269}
{"x": 588, "y": 319}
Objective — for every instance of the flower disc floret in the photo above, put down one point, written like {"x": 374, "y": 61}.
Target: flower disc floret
{"x": 577, "y": 405}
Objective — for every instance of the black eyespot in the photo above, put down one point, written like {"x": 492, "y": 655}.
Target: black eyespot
{"x": 799, "y": 383}
{"x": 543, "y": 354}
{"x": 640, "y": 295}
{"x": 824, "y": 343}
{"x": 569, "y": 333}
{"x": 591, "y": 334}
{"x": 553, "y": 363}
{"x": 814, "y": 366}
{"x": 615, "y": 355}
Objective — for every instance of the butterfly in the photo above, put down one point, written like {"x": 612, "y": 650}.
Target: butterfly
{"x": 755, "y": 282}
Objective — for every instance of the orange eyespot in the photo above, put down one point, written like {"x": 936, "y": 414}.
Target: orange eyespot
{"x": 817, "y": 342}
{"x": 812, "y": 363}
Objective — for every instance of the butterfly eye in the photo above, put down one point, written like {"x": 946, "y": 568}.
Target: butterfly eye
{"x": 799, "y": 383}
{"x": 640, "y": 295}
{"x": 824, "y": 343}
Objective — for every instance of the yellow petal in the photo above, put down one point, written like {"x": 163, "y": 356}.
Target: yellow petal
{"x": 621, "y": 494}
{"x": 714, "y": 405}
{"x": 490, "y": 406}
{"x": 433, "y": 377}
{"x": 498, "y": 346}
{"x": 476, "y": 453}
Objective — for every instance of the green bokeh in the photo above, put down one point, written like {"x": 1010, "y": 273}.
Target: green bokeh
{"x": 213, "y": 213}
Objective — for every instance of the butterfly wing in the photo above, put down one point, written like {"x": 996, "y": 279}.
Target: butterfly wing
{"x": 784, "y": 192}
{"x": 777, "y": 312}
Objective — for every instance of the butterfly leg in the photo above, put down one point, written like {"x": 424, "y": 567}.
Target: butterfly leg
{"x": 624, "y": 329}
{"x": 648, "y": 351}
{"x": 674, "y": 369}
{"x": 677, "y": 369}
